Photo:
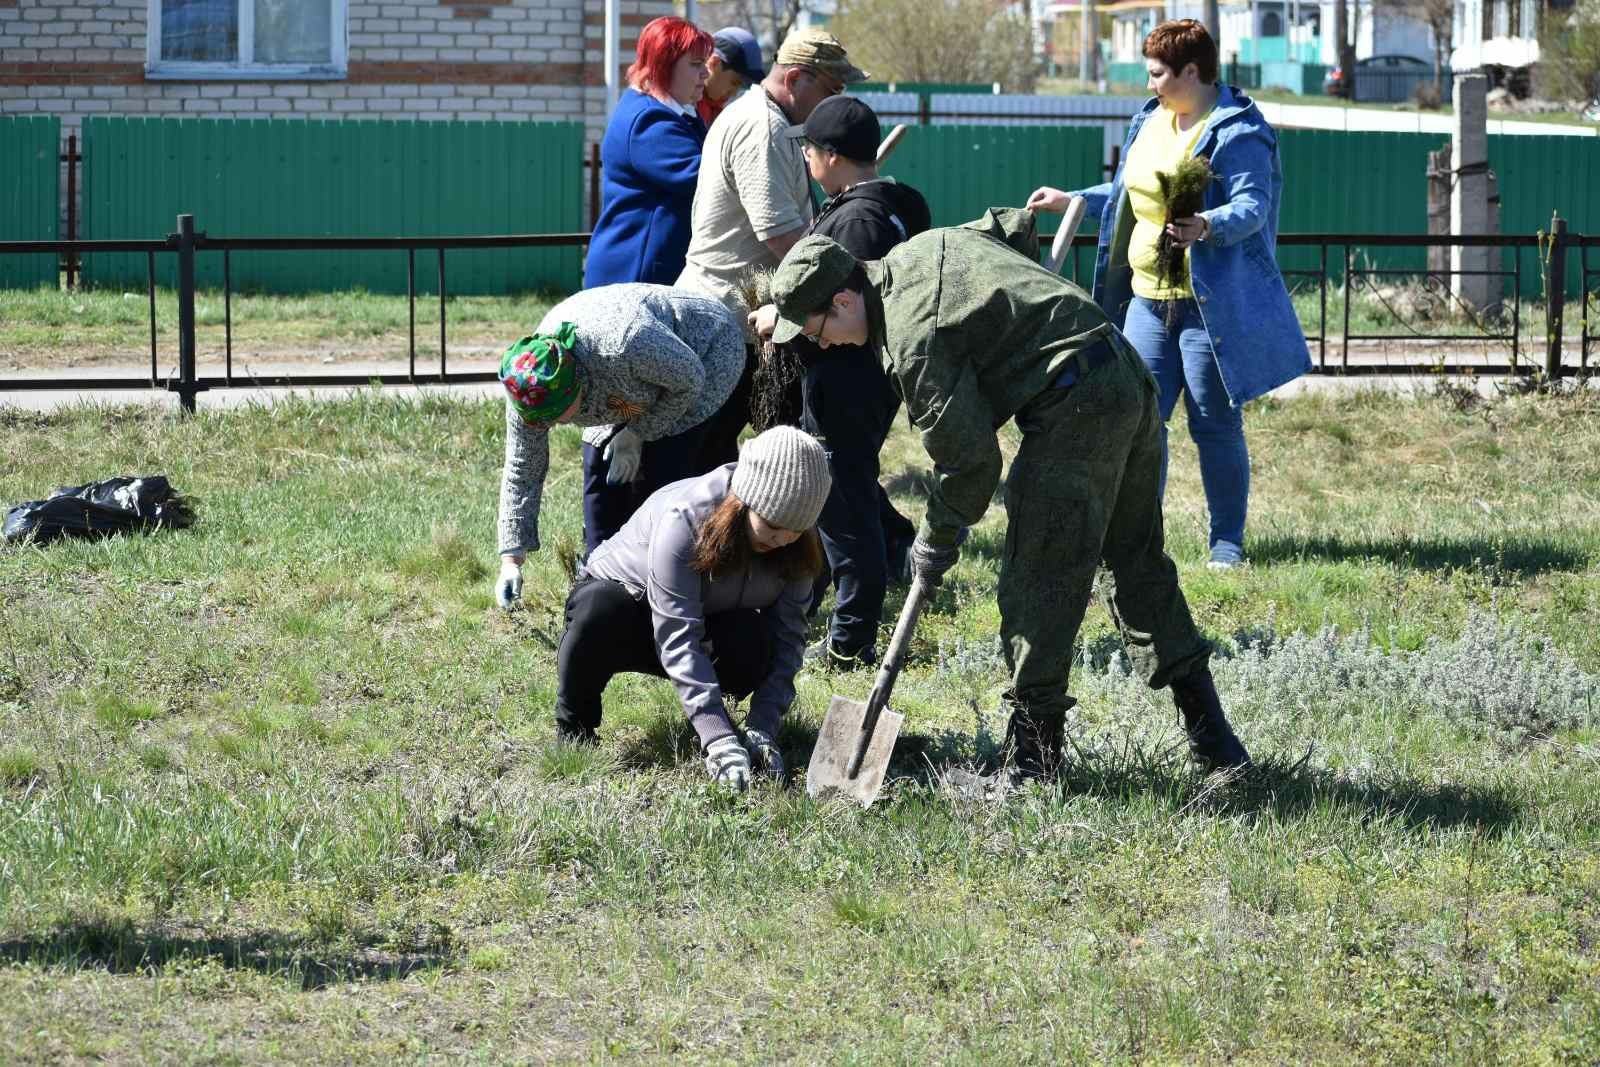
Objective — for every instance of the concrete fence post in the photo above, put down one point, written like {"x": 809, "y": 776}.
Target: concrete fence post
{"x": 1469, "y": 199}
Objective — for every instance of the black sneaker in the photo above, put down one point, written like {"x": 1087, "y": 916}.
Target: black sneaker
{"x": 1212, "y": 742}
{"x": 823, "y": 654}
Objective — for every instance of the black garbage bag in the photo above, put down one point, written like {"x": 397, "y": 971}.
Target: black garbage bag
{"x": 98, "y": 509}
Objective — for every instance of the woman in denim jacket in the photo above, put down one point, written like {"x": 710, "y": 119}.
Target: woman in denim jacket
{"x": 1229, "y": 333}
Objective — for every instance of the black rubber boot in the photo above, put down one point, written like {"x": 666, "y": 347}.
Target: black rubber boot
{"x": 575, "y": 733}
{"x": 1212, "y": 742}
{"x": 1034, "y": 738}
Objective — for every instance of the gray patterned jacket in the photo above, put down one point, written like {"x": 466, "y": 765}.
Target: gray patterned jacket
{"x": 650, "y": 356}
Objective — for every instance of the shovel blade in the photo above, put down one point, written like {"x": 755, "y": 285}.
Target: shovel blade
{"x": 829, "y": 770}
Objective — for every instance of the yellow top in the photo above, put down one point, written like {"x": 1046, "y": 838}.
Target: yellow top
{"x": 1160, "y": 146}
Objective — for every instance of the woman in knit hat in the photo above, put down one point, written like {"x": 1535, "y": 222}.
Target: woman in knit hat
{"x": 633, "y": 363}
{"x": 707, "y": 585}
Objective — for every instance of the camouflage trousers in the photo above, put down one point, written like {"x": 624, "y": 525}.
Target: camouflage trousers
{"x": 1085, "y": 488}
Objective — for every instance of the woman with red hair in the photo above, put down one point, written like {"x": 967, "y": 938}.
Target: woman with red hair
{"x": 651, "y": 160}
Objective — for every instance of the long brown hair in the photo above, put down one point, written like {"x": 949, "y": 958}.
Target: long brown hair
{"x": 722, "y": 546}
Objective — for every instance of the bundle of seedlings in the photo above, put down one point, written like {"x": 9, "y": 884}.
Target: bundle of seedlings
{"x": 1183, "y": 194}
{"x": 778, "y": 367}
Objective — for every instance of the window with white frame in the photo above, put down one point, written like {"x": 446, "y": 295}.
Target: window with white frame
{"x": 222, "y": 39}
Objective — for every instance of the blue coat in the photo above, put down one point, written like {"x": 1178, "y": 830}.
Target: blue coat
{"x": 651, "y": 160}
{"x": 1255, "y": 334}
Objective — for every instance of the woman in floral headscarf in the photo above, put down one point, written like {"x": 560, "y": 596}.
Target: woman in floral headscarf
{"x": 633, "y": 363}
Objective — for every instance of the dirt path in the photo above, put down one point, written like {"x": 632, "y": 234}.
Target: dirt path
{"x": 304, "y": 357}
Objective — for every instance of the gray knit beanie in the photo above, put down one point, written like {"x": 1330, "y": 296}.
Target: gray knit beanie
{"x": 783, "y": 476}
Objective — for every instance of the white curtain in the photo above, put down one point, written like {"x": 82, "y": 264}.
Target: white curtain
{"x": 293, "y": 31}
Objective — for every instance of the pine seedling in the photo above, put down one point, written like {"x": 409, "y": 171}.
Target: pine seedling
{"x": 778, "y": 368}
{"x": 1183, "y": 194}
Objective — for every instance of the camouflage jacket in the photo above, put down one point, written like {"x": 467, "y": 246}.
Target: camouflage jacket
{"x": 970, "y": 328}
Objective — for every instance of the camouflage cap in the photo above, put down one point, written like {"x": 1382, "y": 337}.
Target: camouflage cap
{"x": 804, "y": 282}
{"x": 819, "y": 50}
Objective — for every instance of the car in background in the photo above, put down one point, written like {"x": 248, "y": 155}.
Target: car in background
{"x": 1391, "y": 76}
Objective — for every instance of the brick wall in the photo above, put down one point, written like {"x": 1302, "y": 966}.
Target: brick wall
{"x": 505, "y": 60}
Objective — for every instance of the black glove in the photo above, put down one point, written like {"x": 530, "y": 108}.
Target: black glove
{"x": 929, "y": 562}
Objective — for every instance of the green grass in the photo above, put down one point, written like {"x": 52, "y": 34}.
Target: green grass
{"x": 58, "y": 329}
{"x": 282, "y": 787}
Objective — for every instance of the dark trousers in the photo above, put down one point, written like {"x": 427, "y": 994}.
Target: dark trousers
{"x": 721, "y": 441}
{"x": 609, "y": 632}
{"x": 850, "y": 405}
{"x": 606, "y": 507}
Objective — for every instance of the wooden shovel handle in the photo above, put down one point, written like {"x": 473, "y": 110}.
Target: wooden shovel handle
{"x": 890, "y": 143}
{"x": 1070, "y": 222}
{"x": 888, "y": 670}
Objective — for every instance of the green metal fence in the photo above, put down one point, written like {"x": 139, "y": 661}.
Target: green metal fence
{"x": 1539, "y": 175}
{"x": 1244, "y": 75}
{"x": 1337, "y": 182}
{"x": 265, "y": 178}
{"x": 962, "y": 170}
{"x": 30, "y": 196}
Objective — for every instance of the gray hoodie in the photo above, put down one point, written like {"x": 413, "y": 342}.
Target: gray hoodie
{"x": 650, "y": 555}
{"x": 656, "y": 358}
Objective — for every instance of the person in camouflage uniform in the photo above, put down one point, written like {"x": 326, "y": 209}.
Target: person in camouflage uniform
{"x": 974, "y": 332}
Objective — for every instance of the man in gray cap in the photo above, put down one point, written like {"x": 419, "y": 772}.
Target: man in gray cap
{"x": 974, "y": 335}
{"x": 752, "y": 200}
{"x": 734, "y": 64}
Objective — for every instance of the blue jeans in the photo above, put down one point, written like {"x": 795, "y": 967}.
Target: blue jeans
{"x": 1181, "y": 359}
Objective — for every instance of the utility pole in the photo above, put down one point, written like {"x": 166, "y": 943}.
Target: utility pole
{"x": 1088, "y": 41}
{"x": 1345, "y": 53}
{"x": 1214, "y": 23}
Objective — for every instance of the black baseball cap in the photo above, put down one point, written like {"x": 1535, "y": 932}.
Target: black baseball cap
{"x": 845, "y": 125}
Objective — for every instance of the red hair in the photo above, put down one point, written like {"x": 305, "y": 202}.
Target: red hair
{"x": 1181, "y": 42}
{"x": 662, "y": 43}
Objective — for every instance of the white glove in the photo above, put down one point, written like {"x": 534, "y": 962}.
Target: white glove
{"x": 728, "y": 763}
{"x": 508, "y": 587}
{"x": 623, "y": 454}
{"x": 764, "y": 754}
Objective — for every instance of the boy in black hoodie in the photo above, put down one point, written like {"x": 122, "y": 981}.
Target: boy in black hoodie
{"x": 849, "y": 402}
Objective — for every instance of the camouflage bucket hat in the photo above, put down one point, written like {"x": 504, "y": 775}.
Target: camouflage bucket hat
{"x": 819, "y": 50}
{"x": 540, "y": 374}
{"x": 803, "y": 283}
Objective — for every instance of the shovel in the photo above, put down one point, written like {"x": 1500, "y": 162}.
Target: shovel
{"x": 857, "y": 739}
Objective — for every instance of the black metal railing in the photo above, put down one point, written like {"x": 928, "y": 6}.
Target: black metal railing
{"x": 1338, "y": 269}
{"x": 187, "y": 243}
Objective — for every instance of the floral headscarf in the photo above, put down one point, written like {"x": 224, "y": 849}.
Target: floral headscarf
{"x": 541, "y": 375}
